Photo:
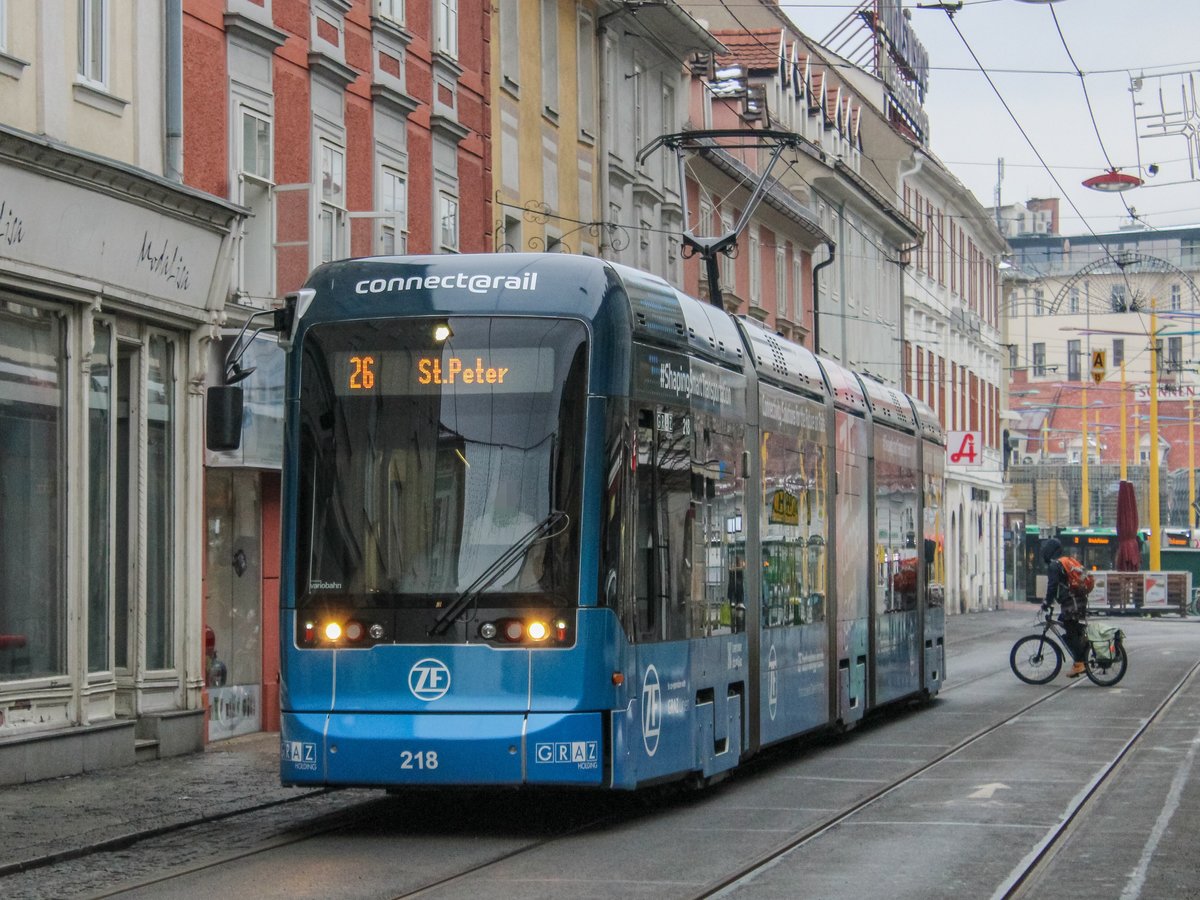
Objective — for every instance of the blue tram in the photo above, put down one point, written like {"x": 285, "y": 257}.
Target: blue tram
{"x": 548, "y": 521}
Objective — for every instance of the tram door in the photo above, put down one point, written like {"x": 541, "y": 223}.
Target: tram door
{"x": 853, "y": 561}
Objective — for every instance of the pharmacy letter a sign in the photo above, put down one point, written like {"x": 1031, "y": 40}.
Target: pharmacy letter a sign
{"x": 964, "y": 448}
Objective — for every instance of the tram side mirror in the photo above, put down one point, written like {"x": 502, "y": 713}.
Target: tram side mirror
{"x": 223, "y": 418}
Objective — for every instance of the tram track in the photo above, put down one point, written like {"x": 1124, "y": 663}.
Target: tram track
{"x": 1021, "y": 881}
{"x": 627, "y": 807}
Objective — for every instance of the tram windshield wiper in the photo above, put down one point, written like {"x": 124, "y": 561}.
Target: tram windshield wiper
{"x": 489, "y": 576}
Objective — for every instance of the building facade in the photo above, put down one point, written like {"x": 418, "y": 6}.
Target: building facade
{"x": 954, "y": 362}
{"x": 112, "y": 276}
{"x": 343, "y": 129}
{"x": 1098, "y": 325}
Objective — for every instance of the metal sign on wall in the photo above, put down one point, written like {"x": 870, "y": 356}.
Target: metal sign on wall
{"x": 964, "y": 448}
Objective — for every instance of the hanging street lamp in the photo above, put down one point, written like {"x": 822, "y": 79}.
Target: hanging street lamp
{"x": 1113, "y": 181}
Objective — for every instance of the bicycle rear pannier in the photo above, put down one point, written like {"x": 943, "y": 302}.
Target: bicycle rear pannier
{"x": 1103, "y": 639}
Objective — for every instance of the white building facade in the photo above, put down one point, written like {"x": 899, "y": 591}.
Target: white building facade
{"x": 112, "y": 278}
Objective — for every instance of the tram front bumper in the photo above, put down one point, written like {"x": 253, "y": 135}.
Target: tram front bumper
{"x": 415, "y": 749}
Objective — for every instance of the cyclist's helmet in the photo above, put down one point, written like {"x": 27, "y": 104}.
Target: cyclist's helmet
{"x": 1052, "y": 549}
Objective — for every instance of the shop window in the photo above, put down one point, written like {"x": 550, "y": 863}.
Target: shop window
{"x": 101, "y": 435}
{"x": 33, "y": 623}
{"x": 234, "y": 584}
{"x": 160, "y": 503}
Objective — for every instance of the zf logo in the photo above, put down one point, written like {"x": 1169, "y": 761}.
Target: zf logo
{"x": 429, "y": 679}
{"x": 651, "y": 710}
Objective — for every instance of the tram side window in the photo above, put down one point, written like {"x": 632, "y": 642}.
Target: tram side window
{"x": 718, "y": 586}
{"x": 795, "y": 531}
{"x": 614, "y": 588}
{"x": 896, "y": 552}
{"x": 663, "y": 563}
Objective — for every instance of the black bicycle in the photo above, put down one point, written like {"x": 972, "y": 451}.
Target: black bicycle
{"x": 1038, "y": 658}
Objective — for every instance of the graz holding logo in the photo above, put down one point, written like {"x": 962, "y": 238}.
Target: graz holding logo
{"x": 429, "y": 679}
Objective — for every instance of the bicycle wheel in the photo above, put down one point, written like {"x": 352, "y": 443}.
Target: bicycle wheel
{"x": 1036, "y": 659}
{"x": 1106, "y": 674}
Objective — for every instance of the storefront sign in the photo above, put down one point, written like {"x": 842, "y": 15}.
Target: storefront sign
{"x": 123, "y": 245}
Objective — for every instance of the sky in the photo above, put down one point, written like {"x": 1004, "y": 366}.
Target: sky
{"x": 1052, "y": 145}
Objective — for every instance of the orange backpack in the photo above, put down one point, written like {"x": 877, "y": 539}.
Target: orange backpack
{"x": 1079, "y": 581}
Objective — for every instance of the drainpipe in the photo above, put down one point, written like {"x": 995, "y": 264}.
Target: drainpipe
{"x": 173, "y": 161}
{"x": 602, "y": 127}
{"x": 816, "y": 289}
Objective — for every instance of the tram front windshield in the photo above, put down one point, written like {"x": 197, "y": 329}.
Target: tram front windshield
{"x": 431, "y": 448}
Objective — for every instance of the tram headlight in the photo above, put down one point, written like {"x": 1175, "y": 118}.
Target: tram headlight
{"x": 537, "y": 631}
{"x": 513, "y": 629}
{"x": 332, "y": 631}
{"x": 487, "y": 630}
{"x": 355, "y": 630}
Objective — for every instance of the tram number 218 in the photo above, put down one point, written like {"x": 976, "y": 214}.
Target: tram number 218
{"x": 421, "y": 759}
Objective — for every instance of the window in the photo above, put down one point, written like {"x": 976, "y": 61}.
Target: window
{"x": 1073, "y": 300}
{"x": 1012, "y": 356}
{"x": 447, "y": 222}
{"x": 781, "y": 298}
{"x": 447, "y": 27}
{"x": 512, "y": 234}
{"x": 1117, "y": 298}
{"x": 332, "y": 226}
{"x": 1174, "y": 354}
{"x": 1189, "y": 254}
{"x": 93, "y": 41}
{"x": 255, "y": 248}
{"x": 669, "y": 126}
{"x": 549, "y": 56}
{"x": 586, "y": 61}
{"x": 797, "y": 310}
{"x": 101, "y": 409}
{"x": 1073, "y": 357}
{"x": 390, "y": 9}
{"x": 32, "y": 425}
{"x": 1176, "y": 297}
{"x": 510, "y": 47}
{"x": 639, "y": 107}
{"x": 728, "y": 265}
{"x": 393, "y": 198}
{"x": 644, "y": 243}
{"x": 160, "y": 504}
{"x": 1039, "y": 359}
{"x": 1039, "y": 297}
{"x": 1118, "y": 353}
{"x": 755, "y": 267}
{"x": 3, "y": 25}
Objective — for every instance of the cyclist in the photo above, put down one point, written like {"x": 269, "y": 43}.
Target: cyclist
{"x": 1072, "y": 614}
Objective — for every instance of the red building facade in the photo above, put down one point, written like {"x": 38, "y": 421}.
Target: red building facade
{"x": 344, "y": 128}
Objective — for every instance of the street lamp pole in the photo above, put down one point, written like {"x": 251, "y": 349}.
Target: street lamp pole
{"x": 1124, "y": 464}
{"x": 1155, "y": 519}
{"x": 1085, "y": 505}
{"x": 1191, "y": 465}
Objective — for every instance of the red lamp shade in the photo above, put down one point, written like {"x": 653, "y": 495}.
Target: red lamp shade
{"x": 1112, "y": 181}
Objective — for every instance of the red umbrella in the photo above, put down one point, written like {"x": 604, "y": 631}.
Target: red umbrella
{"x": 1129, "y": 554}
